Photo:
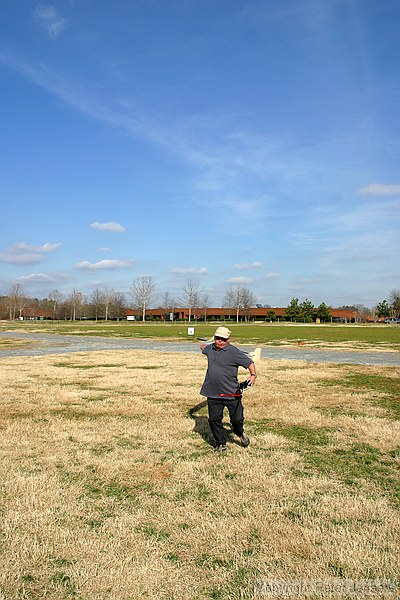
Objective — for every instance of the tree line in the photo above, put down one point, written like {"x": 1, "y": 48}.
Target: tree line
{"x": 110, "y": 304}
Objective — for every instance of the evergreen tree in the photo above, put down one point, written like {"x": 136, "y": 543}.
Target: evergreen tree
{"x": 323, "y": 312}
{"x": 293, "y": 310}
{"x": 307, "y": 311}
{"x": 382, "y": 309}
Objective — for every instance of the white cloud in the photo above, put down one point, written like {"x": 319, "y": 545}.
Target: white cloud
{"x": 109, "y": 265}
{"x": 37, "y": 278}
{"x": 240, "y": 280}
{"x": 20, "y": 258}
{"x": 237, "y": 208}
{"x": 380, "y": 189}
{"x": 34, "y": 277}
{"x": 32, "y": 248}
{"x": 305, "y": 280}
{"x": 254, "y": 265}
{"x": 272, "y": 275}
{"x": 200, "y": 271}
{"x": 49, "y": 247}
{"x": 50, "y": 19}
{"x": 110, "y": 226}
{"x": 22, "y": 253}
{"x": 104, "y": 249}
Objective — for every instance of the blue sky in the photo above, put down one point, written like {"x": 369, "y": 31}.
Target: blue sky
{"x": 252, "y": 143}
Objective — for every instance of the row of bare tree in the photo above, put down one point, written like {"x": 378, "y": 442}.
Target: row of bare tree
{"x": 104, "y": 304}
{"x": 143, "y": 295}
{"x": 110, "y": 304}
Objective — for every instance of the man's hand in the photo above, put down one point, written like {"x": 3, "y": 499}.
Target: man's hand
{"x": 251, "y": 379}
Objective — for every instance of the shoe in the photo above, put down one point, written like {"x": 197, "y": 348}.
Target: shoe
{"x": 220, "y": 448}
{"x": 245, "y": 440}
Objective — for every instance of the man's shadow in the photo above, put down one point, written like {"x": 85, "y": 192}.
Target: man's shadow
{"x": 201, "y": 425}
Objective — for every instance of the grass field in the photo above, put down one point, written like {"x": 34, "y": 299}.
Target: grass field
{"x": 377, "y": 337}
{"x": 110, "y": 488}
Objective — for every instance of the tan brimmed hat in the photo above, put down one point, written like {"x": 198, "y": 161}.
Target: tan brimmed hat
{"x": 223, "y": 332}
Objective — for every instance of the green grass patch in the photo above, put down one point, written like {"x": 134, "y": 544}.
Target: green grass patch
{"x": 88, "y": 386}
{"x": 63, "y": 582}
{"x": 240, "y": 585}
{"x": 96, "y": 398}
{"x": 27, "y": 578}
{"x": 129, "y": 443}
{"x": 384, "y": 391}
{"x": 337, "y": 411}
{"x": 252, "y": 333}
{"x": 101, "y": 449}
{"x": 200, "y": 492}
{"x": 147, "y": 367}
{"x": 353, "y": 464}
{"x": 71, "y": 414}
{"x": 303, "y": 435}
{"x": 153, "y": 531}
{"x": 114, "y": 490}
{"x": 85, "y": 367}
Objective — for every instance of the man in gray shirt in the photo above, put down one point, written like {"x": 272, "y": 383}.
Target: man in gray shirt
{"x": 221, "y": 386}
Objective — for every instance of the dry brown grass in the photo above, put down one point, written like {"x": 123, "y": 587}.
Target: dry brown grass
{"x": 13, "y": 343}
{"x": 110, "y": 489}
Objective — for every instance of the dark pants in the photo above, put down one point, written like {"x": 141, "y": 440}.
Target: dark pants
{"x": 216, "y": 412}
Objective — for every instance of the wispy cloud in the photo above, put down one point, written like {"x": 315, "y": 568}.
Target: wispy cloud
{"x": 110, "y": 226}
{"x": 42, "y": 278}
{"x": 305, "y": 280}
{"x": 239, "y": 280}
{"x": 47, "y": 247}
{"x": 221, "y": 165}
{"x": 380, "y": 189}
{"x": 358, "y": 218}
{"x": 20, "y": 258}
{"x": 228, "y": 165}
{"x": 254, "y": 265}
{"x": 22, "y": 253}
{"x": 188, "y": 270}
{"x": 78, "y": 96}
{"x": 109, "y": 265}
{"x": 50, "y": 19}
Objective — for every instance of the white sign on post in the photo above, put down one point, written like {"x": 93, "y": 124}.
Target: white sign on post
{"x": 190, "y": 330}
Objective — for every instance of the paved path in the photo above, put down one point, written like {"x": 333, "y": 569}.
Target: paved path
{"x": 60, "y": 344}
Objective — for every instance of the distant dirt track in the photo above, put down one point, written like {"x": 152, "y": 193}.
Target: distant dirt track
{"x": 60, "y": 344}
